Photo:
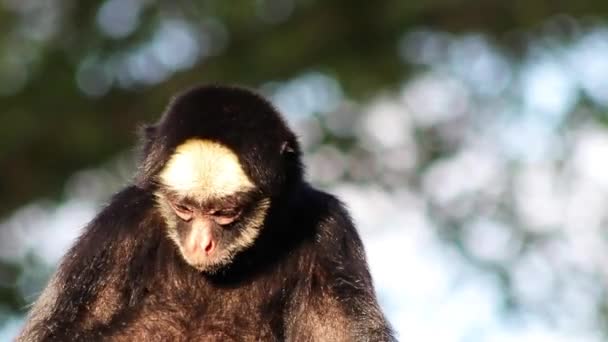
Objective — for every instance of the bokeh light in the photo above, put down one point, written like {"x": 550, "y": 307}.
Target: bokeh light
{"x": 474, "y": 162}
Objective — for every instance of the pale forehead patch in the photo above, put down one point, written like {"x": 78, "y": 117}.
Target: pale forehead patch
{"x": 204, "y": 168}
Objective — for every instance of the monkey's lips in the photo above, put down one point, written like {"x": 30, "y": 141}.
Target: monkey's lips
{"x": 208, "y": 261}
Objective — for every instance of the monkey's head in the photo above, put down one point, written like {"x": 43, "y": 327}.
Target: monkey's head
{"x": 216, "y": 161}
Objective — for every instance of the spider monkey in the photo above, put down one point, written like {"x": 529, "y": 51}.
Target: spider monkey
{"x": 218, "y": 238}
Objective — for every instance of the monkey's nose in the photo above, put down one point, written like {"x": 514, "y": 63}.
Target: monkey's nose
{"x": 201, "y": 239}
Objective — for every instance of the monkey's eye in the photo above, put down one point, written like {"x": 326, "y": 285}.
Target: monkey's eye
{"x": 184, "y": 212}
{"x": 226, "y": 216}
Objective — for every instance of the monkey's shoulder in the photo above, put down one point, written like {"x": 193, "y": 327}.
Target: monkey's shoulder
{"x": 326, "y": 214}
{"x": 113, "y": 233}
{"x": 132, "y": 203}
{"x": 126, "y": 210}
{"x": 330, "y": 241}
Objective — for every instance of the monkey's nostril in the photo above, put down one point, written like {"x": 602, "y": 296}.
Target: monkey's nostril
{"x": 209, "y": 248}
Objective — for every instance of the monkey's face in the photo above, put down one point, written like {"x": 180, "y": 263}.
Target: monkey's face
{"x": 211, "y": 208}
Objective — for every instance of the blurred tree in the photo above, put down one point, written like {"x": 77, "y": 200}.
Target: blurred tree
{"x": 75, "y": 77}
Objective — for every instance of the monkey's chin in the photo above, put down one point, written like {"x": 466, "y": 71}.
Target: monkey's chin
{"x": 208, "y": 265}
{"x": 210, "y": 268}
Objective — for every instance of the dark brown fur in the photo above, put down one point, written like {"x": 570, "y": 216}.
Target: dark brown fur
{"x": 304, "y": 279}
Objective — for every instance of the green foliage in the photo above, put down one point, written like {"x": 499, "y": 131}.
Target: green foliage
{"x": 49, "y": 128}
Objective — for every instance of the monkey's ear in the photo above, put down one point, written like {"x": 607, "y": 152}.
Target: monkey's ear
{"x": 147, "y": 135}
{"x": 148, "y": 132}
{"x": 150, "y": 154}
{"x": 287, "y": 148}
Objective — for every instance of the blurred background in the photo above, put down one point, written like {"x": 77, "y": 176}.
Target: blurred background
{"x": 468, "y": 138}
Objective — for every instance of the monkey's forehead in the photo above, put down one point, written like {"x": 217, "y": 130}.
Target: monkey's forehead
{"x": 205, "y": 169}
{"x": 236, "y": 200}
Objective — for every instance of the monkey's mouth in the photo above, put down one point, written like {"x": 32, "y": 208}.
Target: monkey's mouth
{"x": 207, "y": 262}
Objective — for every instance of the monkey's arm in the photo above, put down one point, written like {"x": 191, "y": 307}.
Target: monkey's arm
{"x": 88, "y": 287}
{"x": 338, "y": 302}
